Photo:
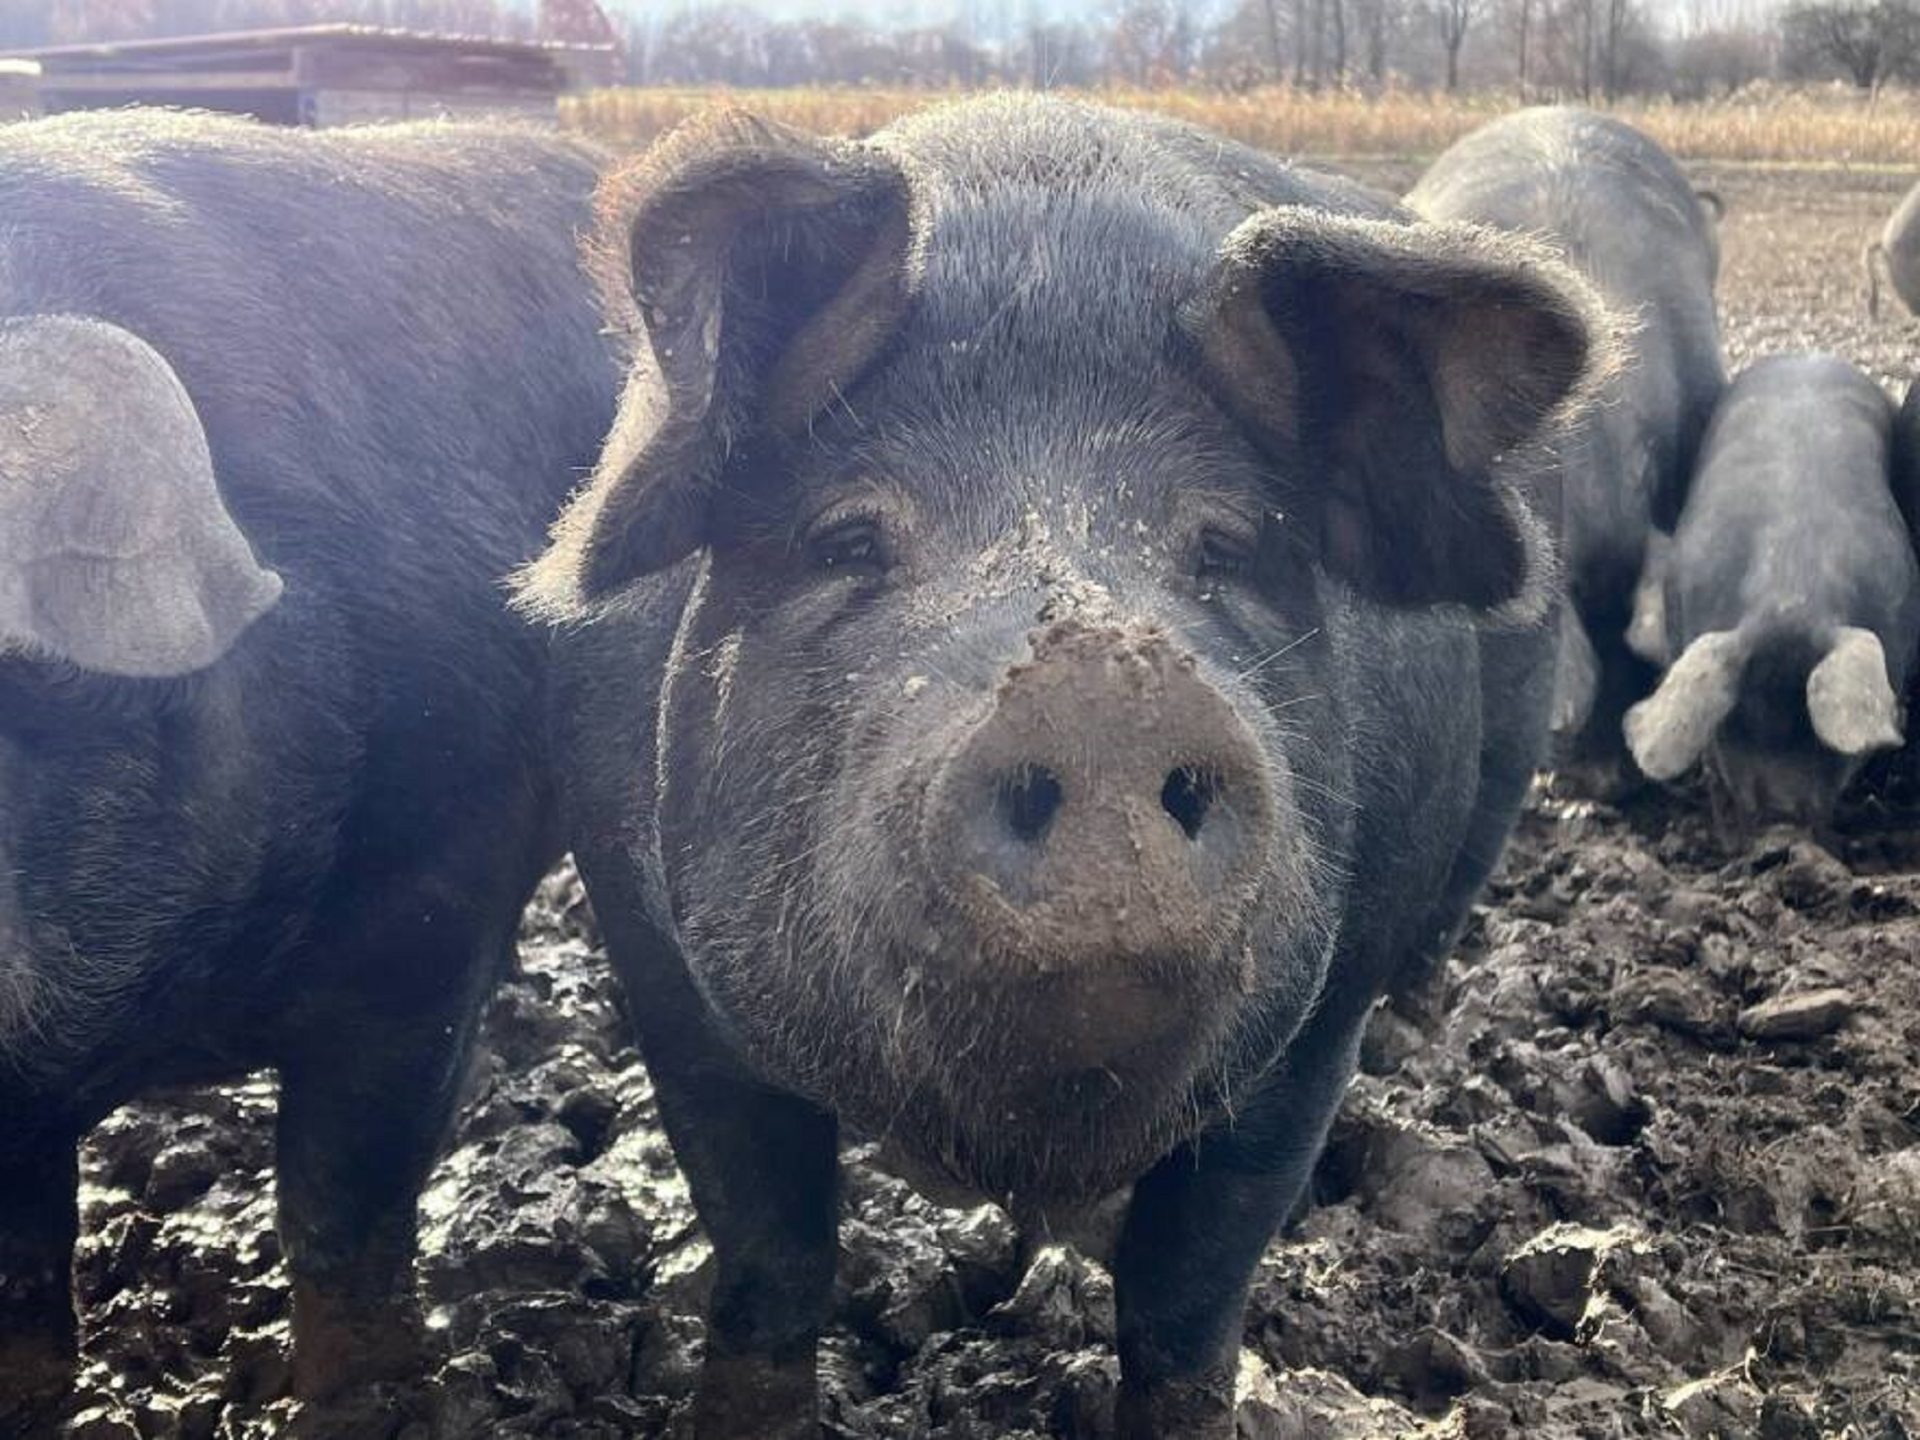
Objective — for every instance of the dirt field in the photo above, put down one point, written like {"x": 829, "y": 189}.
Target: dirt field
{"x": 1647, "y": 1164}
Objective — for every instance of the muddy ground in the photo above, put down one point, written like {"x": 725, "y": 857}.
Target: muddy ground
{"x": 1647, "y": 1162}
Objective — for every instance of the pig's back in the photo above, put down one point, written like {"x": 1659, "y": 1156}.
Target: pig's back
{"x": 364, "y": 319}
{"x": 1606, "y": 196}
{"x": 400, "y": 372}
{"x": 1792, "y": 514}
{"x": 1068, "y": 151}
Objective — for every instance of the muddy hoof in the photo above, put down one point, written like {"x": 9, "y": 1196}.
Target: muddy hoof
{"x": 1606, "y": 778}
{"x": 745, "y": 1397}
{"x": 36, "y": 1379}
{"x": 343, "y": 1345}
{"x": 1191, "y": 1409}
{"x": 381, "y": 1413}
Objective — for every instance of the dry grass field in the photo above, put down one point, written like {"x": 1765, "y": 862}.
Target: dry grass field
{"x": 1820, "y": 127}
{"x": 1599, "y": 1187}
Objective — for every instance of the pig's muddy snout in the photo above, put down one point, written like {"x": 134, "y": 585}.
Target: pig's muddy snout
{"x": 1108, "y": 813}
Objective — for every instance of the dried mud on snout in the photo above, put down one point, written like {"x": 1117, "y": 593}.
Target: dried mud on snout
{"x": 1645, "y": 1160}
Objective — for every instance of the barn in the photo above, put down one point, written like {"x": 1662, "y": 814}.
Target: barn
{"x": 19, "y": 89}
{"x": 332, "y": 74}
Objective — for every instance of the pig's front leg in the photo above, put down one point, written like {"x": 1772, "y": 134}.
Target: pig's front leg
{"x": 763, "y": 1166}
{"x": 356, "y": 1137}
{"x": 1197, "y": 1227}
{"x": 39, "y": 1219}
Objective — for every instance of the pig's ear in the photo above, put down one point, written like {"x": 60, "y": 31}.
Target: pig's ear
{"x": 1851, "y": 700}
{"x": 1670, "y": 730}
{"x": 1390, "y": 366}
{"x": 762, "y": 270}
{"x": 116, "y": 554}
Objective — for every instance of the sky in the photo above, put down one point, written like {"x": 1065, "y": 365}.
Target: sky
{"x": 903, "y": 14}
{"x": 887, "y": 14}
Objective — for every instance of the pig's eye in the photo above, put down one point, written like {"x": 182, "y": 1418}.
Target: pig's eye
{"x": 849, "y": 547}
{"x": 1221, "y": 556}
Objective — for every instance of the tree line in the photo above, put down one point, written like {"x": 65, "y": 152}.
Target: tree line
{"x": 1591, "y": 49}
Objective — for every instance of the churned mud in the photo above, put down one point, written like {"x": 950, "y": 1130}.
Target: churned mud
{"x": 1644, "y": 1159}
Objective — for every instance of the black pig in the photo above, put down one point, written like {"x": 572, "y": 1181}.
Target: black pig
{"x": 1791, "y": 597}
{"x": 278, "y": 410}
{"x": 1898, "y": 252}
{"x": 1021, "y": 692}
{"x": 1619, "y": 209}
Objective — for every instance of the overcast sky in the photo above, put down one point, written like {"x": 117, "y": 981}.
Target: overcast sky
{"x": 892, "y": 14}
{"x": 993, "y": 15}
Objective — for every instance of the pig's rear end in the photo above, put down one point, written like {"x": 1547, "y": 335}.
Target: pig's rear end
{"x": 298, "y": 836}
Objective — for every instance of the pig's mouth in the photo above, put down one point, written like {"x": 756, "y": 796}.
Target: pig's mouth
{"x": 1048, "y": 900}
{"x": 1117, "y": 1026}
{"x": 1087, "y": 1135}
{"x": 1053, "y": 1088}
{"x": 1050, "y": 1073}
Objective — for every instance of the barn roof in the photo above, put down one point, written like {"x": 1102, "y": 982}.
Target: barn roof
{"x": 321, "y": 74}
{"x": 337, "y": 34}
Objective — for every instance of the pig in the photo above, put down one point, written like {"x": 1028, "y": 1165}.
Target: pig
{"x": 1619, "y": 209}
{"x": 278, "y": 412}
{"x": 1906, "y": 460}
{"x": 1899, "y": 773}
{"x": 1046, "y": 640}
{"x": 1790, "y": 598}
{"x": 1897, "y": 251}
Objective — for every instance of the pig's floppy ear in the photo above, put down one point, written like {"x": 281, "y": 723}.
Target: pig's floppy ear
{"x": 1670, "y": 730}
{"x": 763, "y": 269}
{"x": 116, "y": 553}
{"x": 1389, "y": 366}
{"x": 1850, "y": 699}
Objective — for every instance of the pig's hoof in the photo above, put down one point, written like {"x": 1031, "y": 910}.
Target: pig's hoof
{"x": 341, "y": 1345}
{"x": 747, "y": 1397}
{"x": 1188, "y": 1409}
{"x": 36, "y": 1377}
{"x": 1608, "y": 779}
{"x": 368, "y": 1416}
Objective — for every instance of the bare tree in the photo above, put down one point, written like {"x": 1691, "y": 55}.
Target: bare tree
{"x": 1869, "y": 41}
{"x": 1454, "y": 18}
{"x": 1152, "y": 42}
{"x": 1059, "y": 53}
{"x": 1271, "y": 9}
{"x": 1618, "y": 20}
{"x": 575, "y": 22}
{"x": 1585, "y": 48}
{"x": 1377, "y": 21}
{"x": 1522, "y": 37}
{"x": 1580, "y": 25}
{"x": 1720, "y": 60}
{"x": 1247, "y": 46}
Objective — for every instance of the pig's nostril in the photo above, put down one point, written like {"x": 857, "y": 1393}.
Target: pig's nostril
{"x": 1187, "y": 796}
{"x": 1028, "y": 799}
